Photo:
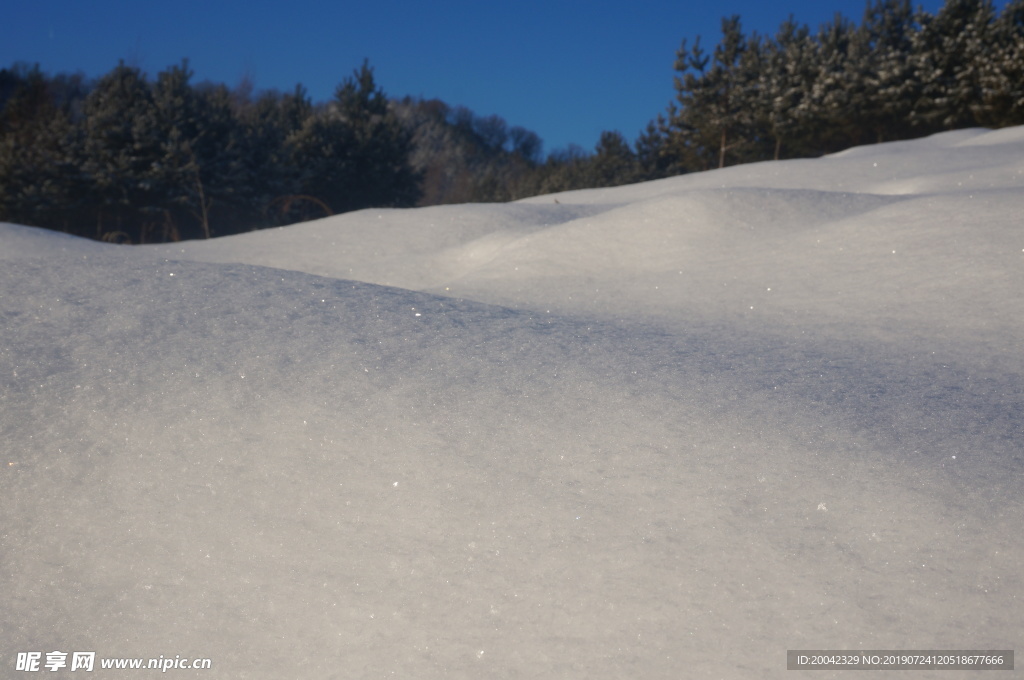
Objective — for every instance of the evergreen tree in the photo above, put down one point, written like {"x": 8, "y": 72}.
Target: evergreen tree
{"x": 268, "y": 179}
{"x": 220, "y": 153}
{"x": 883, "y": 74}
{"x": 654, "y": 153}
{"x": 1001, "y": 72}
{"x": 564, "y": 170}
{"x": 37, "y": 169}
{"x": 379, "y": 173}
{"x": 786, "y": 81}
{"x": 687, "y": 121}
{"x": 121, "y": 142}
{"x": 831, "y": 100}
{"x": 176, "y": 173}
{"x": 323, "y": 157}
{"x": 949, "y": 51}
{"x": 613, "y": 163}
{"x": 713, "y": 108}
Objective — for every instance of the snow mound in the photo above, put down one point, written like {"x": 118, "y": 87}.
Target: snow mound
{"x": 20, "y": 242}
{"x": 670, "y": 429}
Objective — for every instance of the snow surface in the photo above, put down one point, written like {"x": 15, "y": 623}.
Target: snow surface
{"x": 668, "y": 430}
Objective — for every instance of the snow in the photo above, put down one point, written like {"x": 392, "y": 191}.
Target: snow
{"x": 657, "y": 431}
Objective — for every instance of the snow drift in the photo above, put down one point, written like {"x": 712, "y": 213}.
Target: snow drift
{"x": 664, "y": 430}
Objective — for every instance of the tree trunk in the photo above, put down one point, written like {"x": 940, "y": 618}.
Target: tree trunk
{"x": 204, "y": 217}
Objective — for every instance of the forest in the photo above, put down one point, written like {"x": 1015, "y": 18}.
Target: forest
{"x": 127, "y": 158}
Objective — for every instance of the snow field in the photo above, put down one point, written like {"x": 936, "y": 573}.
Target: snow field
{"x": 657, "y": 431}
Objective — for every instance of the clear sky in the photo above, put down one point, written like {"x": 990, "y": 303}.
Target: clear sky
{"x": 566, "y": 70}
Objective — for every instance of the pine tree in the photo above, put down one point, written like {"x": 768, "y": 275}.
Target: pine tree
{"x": 714, "y": 112}
{"x": 121, "y": 142}
{"x": 323, "y": 156}
{"x": 198, "y": 173}
{"x": 383, "y": 144}
{"x": 220, "y": 152}
{"x": 1001, "y": 73}
{"x": 614, "y": 162}
{"x": 831, "y": 95}
{"x": 949, "y": 51}
{"x": 786, "y": 81}
{"x": 268, "y": 179}
{"x": 176, "y": 174}
{"x": 654, "y": 155}
{"x": 883, "y": 74}
{"x": 37, "y": 168}
{"x": 686, "y": 120}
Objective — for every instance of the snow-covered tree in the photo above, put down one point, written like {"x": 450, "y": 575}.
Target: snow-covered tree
{"x": 948, "y": 53}
{"x": 1001, "y": 72}
{"x": 785, "y": 81}
{"x": 883, "y": 74}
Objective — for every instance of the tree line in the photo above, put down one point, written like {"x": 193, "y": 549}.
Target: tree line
{"x": 128, "y": 159}
{"x": 899, "y": 74}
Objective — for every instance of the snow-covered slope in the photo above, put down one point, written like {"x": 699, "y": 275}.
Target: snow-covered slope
{"x": 665, "y": 430}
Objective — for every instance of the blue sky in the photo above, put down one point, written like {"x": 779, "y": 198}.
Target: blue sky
{"x": 566, "y": 70}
